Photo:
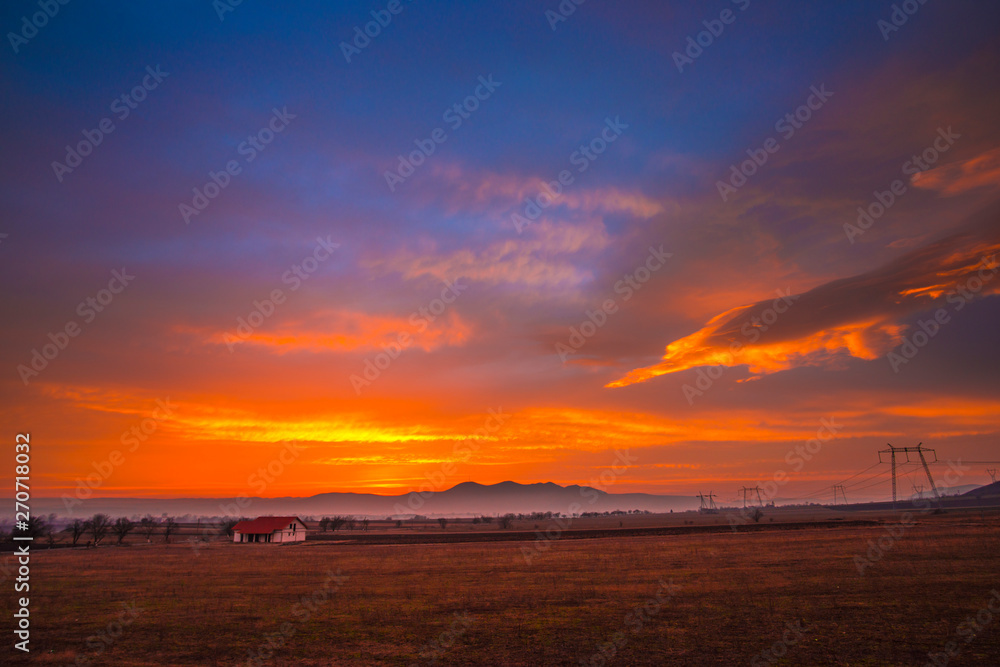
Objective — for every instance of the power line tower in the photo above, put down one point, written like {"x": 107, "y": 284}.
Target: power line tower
{"x": 708, "y": 503}
{"x": 992, "y": 472}
{"x": 843, "y": 493}
{"x": 748, "y": 492}
{"x": 919, "y": 450}
{"x": 918, "y": 490}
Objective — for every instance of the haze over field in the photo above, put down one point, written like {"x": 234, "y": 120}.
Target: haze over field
{"x": 465, "y": 500}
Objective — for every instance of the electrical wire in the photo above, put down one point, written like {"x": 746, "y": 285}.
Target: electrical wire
{"x": 829, "y": 488}
{"x": 901, "y": 471}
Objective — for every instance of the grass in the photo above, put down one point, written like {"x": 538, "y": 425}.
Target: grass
{"x": 737, "y": 593}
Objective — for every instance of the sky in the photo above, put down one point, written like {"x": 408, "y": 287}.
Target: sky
{"x": 739, "y": 241}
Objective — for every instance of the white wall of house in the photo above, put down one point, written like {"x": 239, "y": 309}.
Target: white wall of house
{"x": 297, "y": 535}
{"x": 295, "y": 532}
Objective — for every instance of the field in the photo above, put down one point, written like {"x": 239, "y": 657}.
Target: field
{"x": 769, "y": 596}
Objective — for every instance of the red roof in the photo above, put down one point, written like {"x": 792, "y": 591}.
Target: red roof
{"x": 266, "y": 524}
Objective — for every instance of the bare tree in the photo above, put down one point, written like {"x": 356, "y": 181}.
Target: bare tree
{"x": 36, "y": 527}
{"x": 227, "y": 525}
{"x": 147, "y": 526}
{"x": 169, "y": 527}
{"x": 98, "y": 526}
{"x": 506, "y": 521}
{"x": 351, "y": 523}
{"x": 756, "y": 514}
{"x": 364, "y": 525}
{"x": 76, "y": 529}
{"x": 324, "y": 524}
{"x": 443, "y": 523}
{"x": 122, "y": 527}
{"x": 335, "y": 523}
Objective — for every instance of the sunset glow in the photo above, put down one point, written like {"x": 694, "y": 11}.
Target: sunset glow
{"x": 559, "y": 279}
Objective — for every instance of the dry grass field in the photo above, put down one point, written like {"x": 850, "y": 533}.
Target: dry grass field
{"x": 789, "y": 597}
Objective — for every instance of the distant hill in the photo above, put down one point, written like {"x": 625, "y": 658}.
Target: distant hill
{"x": 988, "y": 490}
{"x": 958, "y": 490}
{"x": 465, "y": 499}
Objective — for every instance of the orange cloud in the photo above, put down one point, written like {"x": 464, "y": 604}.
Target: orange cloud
{"x": 958, "y": 177}
{"x": 859, "y": 317}
{"x": 393, "y": 448}
{"x": 863, "y": 340}
{"x": 343, "y": 331}
{"x": 196, "y": 420}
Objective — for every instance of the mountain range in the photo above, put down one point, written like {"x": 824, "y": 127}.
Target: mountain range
{"x": 465, "y": 499}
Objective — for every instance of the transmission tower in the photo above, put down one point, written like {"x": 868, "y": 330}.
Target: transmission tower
{"x": 918, "y": 490}
{"x": 919, "y": 450}
{"x": 843, "y": 493}
{"x": 992, "y": 472}
{"x": 748, "y": 492}
{"x": 707, "y": 502}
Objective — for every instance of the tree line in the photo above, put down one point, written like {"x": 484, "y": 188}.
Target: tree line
{"x": 100, "y": 525}
{"x": 335, "y": 523}
{"x": 97, "y": 528}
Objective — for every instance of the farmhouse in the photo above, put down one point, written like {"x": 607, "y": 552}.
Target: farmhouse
{"x": 270, "y": 529}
